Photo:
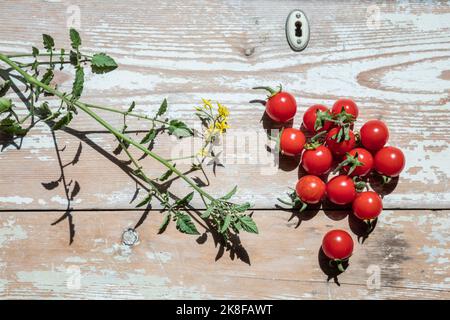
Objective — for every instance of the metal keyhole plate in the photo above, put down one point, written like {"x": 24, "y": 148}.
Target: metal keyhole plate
{"x": 297, "y": 30}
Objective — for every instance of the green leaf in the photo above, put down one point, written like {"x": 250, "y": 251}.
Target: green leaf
{"x": 11, "y": 126}
{"x": 75, "y": 38}
{"x": 145, "y": 201}
{"x": 77, "y": 87}
{"x": 179, "y": 129}
{"x": 48, "y": 41}
{"x": 4, "y": 87}
{"x": 186, "y": 200}
{"x": 185, "y": 224}
{"x": 5, "y": 105}
{"x": 35, "y": 51}
{"x": 64, "y": 121}
{"x": 207, "y": 212}
{"x": 48, "y": 76}
{"x": 73, "y": 57}
{"x": 166, "y": 175}
{"x": 130, "y": 109}
{"x": 243, "y": 207}
{"x": 162, "y": 108}
{"x": 226, "y": 223}
{"x": 164, "y": 223}
{"x": 229, "y": 194}
{"x": 43, "y": 111}
{"x": 248, "y": 224}
{"x": 150, "y": 136}
{"x": 102, "y": 63}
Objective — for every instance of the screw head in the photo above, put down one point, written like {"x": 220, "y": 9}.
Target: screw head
{"x": 130, "y": 237}
{"x": 299, "y": 41}
{"x": 298, "y": 15}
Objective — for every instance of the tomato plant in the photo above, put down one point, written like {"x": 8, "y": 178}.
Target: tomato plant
{"x": 341, "y": 190}
{"x": 280, "y": 105}
{"x": 389, "y": 161}
{"x": 339, "y": 146}
{"x": 358, "y": 162}
{"x": 292, "y": 141}
{"x": 316, "y": 118}
{"x": 317, "y": 161}
{"x": 374, "y": 135}
{"x": 310, "y": 189}
{"x": 367, "y": 205}
{"x": 337, "y": 246}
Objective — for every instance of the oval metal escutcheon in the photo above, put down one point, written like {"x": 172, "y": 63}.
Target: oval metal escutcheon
{"x": 297, "y": 30}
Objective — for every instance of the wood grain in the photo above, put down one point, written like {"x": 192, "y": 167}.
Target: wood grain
{"x": 396, "y": 70}
{"x": 281, "y": 262}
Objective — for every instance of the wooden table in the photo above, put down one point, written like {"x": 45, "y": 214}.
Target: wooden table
{"x": 397, "y": 68}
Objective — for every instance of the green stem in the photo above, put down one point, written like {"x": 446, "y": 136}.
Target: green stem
{"x": 181, "y": 158}
{"x": 136, "y": 115}
{"x": 105, "y": 124}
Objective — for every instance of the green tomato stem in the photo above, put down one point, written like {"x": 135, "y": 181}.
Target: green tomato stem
{"x": 105, "y": 124}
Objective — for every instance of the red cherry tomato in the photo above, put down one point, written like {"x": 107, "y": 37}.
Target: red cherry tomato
{"x": 374, "y": 135}
{"x": 337, "y": 245}
{"x": 389, "y": 161}
{"x": 310, "y": 189}
{"x": 348, "y": 105}
{"x": 339, "y": 148}
{"x": 317, "y": 161}
{"x": 292, "y": 141}
{"x": 341, "y": 190}
{"x": 310, "y": 117}
{"x": 365, "y": 160}
{"x": 367, "y": 205}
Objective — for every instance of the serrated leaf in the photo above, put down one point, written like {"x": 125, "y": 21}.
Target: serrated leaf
{"x": 207, "y": 212}
{"x": 166, "y": 175}
{"x": 4, "y": 87}
{"x": 10, "y": 126}
{"x": 131, "y": 107}
{"x": 185, "y": 224}
{"x": 145, "y": 201}
{"x": 47, "y": 77}
{"x": 179, "y": 129}
{"x": 226, "y": 223}
{"x": 48, "y": 41}
{"x": 5, "y": 105}
{"x": 243, "y": 207}
{"x": 64, "y": 121}
{"x": 150, "y": 136}
{"x": 102, "y": 63}
{"x": 75, "y": 38}
{"x": 162, "y": 109}
{"x": 43, "y": 111}
{"x": 78, "y": 83}
{"x": 229, "y": 194}
{"x": 164, "y": 223}
{"x": 248, "y": 224}
{"x": 186, "y": 200}
{"x": 73, "y": 57}
{"x": 35, "y": 51}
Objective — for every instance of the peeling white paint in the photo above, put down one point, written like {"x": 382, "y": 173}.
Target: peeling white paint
{"x": 60, "y": 200}
{"x": 16, "y": 200}
{"x": 159, "y": 256}
{"x": 10, "y": 231}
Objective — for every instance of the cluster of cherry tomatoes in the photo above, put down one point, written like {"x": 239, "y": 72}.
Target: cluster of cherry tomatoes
{"x": 336, "y": 147}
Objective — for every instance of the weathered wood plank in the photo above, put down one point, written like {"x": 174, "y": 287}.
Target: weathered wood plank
{"x": 105, "y": 182}
{"x": 398, "y": 72}
{"x": 409, "y": 248}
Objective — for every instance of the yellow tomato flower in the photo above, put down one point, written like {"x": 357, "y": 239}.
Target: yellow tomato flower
{"x": 203, "y": 152}
{"x": 207, "y": 104}
{"x": 222, "y": 126}
{"x": 223, "y": 111}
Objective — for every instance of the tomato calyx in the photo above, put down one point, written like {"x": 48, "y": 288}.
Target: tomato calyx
{"x": 351, "y": 161}
{"x": 338, "y": 263}
{"x": 360, "y": 184}
{"x": 296, "y": 203}
{"x": 321, "y": 118}
{"x": 343, "y": 120}
{"x": 272, "y": 92}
